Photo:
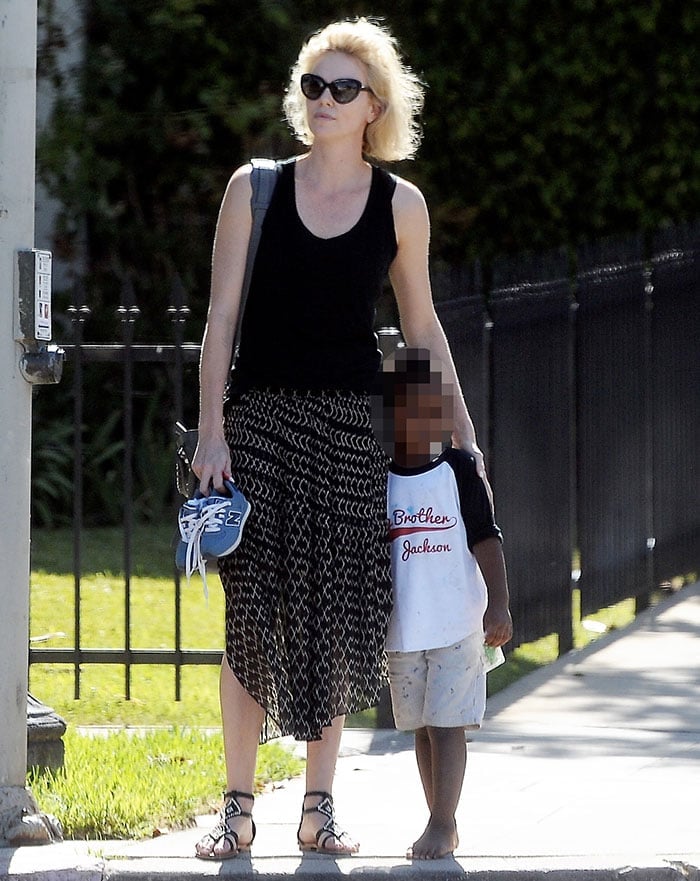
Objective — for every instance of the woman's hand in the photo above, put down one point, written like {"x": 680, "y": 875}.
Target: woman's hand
{"x": 212, "y": 462}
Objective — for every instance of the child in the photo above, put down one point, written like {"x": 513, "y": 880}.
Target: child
{"x": 450, "y": 588}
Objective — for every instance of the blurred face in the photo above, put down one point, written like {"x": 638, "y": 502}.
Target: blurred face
{"x": 330, "y": 119}
{"x": 422, "y": 421}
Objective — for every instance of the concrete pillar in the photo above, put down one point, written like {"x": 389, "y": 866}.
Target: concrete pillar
{"x": 19, "y": 820}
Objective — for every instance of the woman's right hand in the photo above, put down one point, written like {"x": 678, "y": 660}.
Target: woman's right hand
{"x": 212, "y": 462}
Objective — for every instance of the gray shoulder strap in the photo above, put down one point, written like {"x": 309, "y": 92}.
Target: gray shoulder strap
{"x": 263, "y": 179}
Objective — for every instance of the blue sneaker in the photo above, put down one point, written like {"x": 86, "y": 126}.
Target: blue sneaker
{"x": 226, "y": 517}
{"x": 210, "y": 527}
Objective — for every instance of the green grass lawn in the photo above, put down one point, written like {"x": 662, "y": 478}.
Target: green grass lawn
{"x": 102, "y": 625}
{"x": 127, "y": 784}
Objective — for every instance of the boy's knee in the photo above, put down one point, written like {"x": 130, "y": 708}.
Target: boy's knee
{"x": 443, "y": 735}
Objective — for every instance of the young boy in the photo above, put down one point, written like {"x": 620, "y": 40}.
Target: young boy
{"x": 450, "y": 588}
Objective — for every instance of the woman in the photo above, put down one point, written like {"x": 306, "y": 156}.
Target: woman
{"x": 308, "y": 591}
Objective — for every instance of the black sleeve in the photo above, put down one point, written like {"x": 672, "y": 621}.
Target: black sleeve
{"x": 474, "y": 502}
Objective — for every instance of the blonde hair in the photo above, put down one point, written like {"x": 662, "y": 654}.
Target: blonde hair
{"x": 395, "y": 134}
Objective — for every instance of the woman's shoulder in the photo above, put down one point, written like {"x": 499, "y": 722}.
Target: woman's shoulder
{"x": 239, "y": 182}
{"x": 407, "y": 194}
{"x": 408, "y": 202}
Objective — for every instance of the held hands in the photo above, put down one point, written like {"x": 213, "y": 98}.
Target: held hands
{"x": 212, "y": 463}
{"x": 498, "y": 625}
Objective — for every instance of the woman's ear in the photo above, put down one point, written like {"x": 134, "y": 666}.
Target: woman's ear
{"x": 374, "y": 112}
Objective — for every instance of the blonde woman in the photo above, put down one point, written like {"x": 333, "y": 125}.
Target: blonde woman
{"x": 308, "y": 591}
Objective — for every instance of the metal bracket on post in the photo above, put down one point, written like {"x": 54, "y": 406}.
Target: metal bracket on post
{"x": 43, "y": 366}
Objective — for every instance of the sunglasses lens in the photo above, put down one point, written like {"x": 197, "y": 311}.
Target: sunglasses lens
{"x": 345, "y": 91}
{"x": 312, "y": 86}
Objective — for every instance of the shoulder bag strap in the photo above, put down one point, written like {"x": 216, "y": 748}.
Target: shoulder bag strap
{"x": 263, "y": 179}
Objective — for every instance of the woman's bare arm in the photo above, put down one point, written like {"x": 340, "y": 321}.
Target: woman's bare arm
{"x": 420, "y": 325}
{"x": 212, "y": 461}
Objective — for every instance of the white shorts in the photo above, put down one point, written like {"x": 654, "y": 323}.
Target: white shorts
{"x": 444, "y": 687}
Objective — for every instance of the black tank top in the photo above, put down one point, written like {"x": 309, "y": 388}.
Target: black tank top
{"x": 308, "y": 322}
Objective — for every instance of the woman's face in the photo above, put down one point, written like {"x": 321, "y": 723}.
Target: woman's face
{"x": 329, "y": 120}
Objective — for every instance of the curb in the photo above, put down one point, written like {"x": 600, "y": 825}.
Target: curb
{"x": 71, "y": 862}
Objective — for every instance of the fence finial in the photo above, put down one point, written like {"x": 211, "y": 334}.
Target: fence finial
{"x": 128, "y": 311}
{"x": 178, "y": 310}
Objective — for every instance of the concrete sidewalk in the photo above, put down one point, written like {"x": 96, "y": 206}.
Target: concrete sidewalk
{"x": 586, "y": 769}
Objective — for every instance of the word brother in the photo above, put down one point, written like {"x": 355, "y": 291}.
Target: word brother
{"x": 424, "y": 520}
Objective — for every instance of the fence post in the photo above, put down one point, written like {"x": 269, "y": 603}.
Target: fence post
{"x": 178, "y": 312}
{"x": 78, "y": 313}
{"x": 128, "y": 312}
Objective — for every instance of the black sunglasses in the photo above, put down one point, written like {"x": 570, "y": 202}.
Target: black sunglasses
{"x": 343, "y": 91}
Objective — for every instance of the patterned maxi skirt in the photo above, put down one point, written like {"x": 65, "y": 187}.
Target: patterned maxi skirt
{"x": 308, "y": 590}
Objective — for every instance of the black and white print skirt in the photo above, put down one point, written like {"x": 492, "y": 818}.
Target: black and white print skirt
{"x": 308, "y": 590}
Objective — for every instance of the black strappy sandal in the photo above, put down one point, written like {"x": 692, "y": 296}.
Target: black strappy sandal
{"x": 223, "y": 831}
{"x": 329, "y": 830}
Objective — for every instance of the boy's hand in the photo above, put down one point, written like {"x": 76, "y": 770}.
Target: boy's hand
{"x": 498, "y": 626}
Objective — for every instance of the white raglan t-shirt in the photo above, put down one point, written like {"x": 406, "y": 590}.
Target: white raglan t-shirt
{"x": 436, "y": 514}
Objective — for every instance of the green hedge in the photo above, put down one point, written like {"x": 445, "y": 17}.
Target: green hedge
{"x": 551, "y": 123}
{"x": 546, "y": 123}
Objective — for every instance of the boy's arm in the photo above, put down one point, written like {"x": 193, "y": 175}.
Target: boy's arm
{"x": 498, "y": 625}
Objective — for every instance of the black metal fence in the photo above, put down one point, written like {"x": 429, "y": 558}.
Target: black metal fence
{"x": 582, "y": 373}
{"x": 590, "y": 410}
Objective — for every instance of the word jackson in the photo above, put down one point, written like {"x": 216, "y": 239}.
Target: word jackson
{"x": 425, "y": 548}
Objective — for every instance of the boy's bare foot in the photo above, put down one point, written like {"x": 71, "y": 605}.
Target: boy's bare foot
{"x": 438, "y": 840}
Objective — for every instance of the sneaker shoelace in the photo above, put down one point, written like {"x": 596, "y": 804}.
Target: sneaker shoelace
{"x": 207, "y": 516}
